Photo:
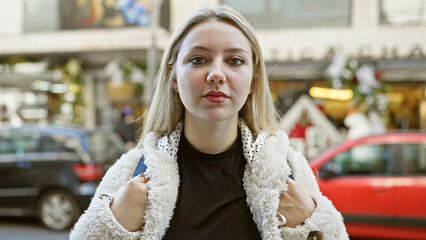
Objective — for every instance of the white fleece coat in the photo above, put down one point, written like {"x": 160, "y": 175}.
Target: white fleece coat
{"x": 270, "y": 159}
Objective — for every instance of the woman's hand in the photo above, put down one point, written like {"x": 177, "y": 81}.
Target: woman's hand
{"x": 129, "y": 205}
{"x": 296, "y": 205}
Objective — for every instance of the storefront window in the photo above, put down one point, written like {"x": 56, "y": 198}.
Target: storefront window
{"x": 19, "y": 16}
{"x": 408, "y": 12}
{"x": 110, "y": 14}
{"x": 294, "y": 13}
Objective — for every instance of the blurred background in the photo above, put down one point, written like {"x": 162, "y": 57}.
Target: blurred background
{"x": 338, "y": 70}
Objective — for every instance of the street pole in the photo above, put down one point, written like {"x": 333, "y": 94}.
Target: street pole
{"x": 152, "y": 58}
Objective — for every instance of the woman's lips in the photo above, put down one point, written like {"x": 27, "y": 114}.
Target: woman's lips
{"x": 216, "y": 96}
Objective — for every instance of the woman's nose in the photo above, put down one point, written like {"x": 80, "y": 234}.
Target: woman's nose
{"x": 216, "y": 74}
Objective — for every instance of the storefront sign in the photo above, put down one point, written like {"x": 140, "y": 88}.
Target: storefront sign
{"x": 362, "y": 52}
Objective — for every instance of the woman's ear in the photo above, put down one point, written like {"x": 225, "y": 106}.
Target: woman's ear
{"x": 175, "y": 86}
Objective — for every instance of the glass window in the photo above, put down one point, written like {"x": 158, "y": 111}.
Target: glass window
{"x": 116, "y": 141}
{"x": 105, "y": 146}
{"x": 101, "y": 142}
{"x": 364, "y": 160}
{"x": 98, "y": 143}
{"x": 413, "y": 159}
{"x": 6, "y": 145}
{"x": 54, "y": 145}
{"x": 17, "y": 16}
{"x": 109, "y": 14}
{"x": 28, "y": 143}
{"x": 293, "y": 13}
{"x": 408, "y": 12}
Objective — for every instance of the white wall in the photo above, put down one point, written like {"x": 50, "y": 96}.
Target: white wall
{"x": 11, "y": 16}
{"x": 364, "y": 37}
{"x": 179, "y": 9}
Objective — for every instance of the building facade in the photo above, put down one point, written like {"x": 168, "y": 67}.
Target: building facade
{"x": 298, "y": 38}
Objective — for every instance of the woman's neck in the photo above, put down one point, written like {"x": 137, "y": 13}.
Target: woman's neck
{"x": 211, "y": 137}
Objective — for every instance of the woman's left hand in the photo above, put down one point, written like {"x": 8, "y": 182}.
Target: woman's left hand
{"x": 296, "y": 205}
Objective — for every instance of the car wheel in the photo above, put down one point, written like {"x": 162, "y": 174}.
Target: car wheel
{"x": 57, "y": 210}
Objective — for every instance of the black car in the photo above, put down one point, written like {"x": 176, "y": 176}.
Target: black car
{"x": 52, "y": 172}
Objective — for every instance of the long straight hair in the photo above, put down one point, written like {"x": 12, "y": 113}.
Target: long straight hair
{"x": 167, "y": 110}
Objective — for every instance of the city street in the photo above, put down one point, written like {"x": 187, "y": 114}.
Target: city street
{"x": 27, "y": 228}
{"x": 330, "y": 93}
{"x": 24, "y": 229}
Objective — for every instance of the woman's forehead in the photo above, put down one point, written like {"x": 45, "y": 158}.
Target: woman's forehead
{"x": 216, "y": 32}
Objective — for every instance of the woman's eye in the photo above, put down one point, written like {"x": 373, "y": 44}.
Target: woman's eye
{"x": 197, "y": 60}
{"x": 236, "y": 61}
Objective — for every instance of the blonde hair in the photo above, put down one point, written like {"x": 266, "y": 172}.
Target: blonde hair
{"x": 167, "y": 110}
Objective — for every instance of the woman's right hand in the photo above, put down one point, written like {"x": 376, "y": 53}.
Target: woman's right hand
{"x": 129, "y": 205}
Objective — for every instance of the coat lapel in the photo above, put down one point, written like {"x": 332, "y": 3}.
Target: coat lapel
{"x": 162, "y": 171}
{"x": 264, "y": 177}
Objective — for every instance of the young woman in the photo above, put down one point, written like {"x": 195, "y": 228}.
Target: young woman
{"x": 217, "y": 166}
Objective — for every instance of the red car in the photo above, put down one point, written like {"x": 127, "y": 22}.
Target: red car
{"x": 378, "y": 183}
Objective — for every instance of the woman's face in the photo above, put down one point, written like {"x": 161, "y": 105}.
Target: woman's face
{"x": 214, "y": 70}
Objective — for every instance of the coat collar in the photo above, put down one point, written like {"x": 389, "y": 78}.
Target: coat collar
{"x": 264, "y": 178}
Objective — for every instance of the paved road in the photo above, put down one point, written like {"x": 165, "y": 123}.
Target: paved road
{"x": 27, "y": 229}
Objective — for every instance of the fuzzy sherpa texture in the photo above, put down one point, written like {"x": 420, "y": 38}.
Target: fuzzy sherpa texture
{"x": 163, "y": 184}
{"x": 325, "y": 217}
{"x": 270, "y": 160}
{"x": 98, "y": 222}
{"x": 264, "y": 179}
